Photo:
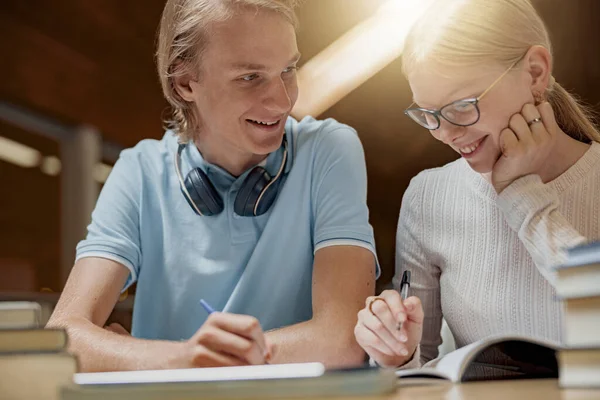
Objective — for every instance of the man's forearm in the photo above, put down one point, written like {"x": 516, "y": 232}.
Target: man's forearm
{"x": 316, "y": 341}
{"x": 98, "y": 349}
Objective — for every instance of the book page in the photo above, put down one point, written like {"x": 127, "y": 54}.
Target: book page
{"x": 497, "y": 357}
{"x": 299, "y": 370}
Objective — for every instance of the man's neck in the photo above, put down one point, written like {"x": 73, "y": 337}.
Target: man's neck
{"x": 230, "y": 158}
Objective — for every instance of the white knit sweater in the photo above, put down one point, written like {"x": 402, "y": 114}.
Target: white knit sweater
{"x": 483, "y": 261}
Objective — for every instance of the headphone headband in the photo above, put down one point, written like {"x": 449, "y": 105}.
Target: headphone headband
{"x": 206, "y": 201}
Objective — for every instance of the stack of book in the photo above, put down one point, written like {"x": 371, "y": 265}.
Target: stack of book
{"x": 578, "y": 285}
{"x": 33, "y": 361}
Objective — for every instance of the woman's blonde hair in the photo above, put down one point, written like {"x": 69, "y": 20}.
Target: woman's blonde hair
{"x": 182, "y": 38}
{"x": 462, "y": 33}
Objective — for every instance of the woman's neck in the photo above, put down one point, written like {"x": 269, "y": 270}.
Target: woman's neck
{"x": 565, "y": 153}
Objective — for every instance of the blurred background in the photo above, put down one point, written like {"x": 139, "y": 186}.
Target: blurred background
{"x": 79, "y": 84}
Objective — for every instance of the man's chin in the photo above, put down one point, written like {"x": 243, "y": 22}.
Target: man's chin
{"x": 267, "y": 144}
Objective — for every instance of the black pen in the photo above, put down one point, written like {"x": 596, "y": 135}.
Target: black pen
{"x": 404, "y": 285}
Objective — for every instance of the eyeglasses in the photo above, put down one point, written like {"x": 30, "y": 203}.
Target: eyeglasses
{"x": 461, "y": 112}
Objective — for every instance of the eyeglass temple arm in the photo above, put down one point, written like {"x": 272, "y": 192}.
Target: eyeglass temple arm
{"x": 498, "y": 79}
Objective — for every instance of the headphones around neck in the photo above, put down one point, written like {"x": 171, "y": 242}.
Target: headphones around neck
{"x": 255, "y": 196}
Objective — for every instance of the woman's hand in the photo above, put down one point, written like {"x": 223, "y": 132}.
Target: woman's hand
{"x": 377, "y": 328}
{"x": 526, "y": 144}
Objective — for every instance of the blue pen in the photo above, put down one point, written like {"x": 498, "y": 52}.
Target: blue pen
{"x": 207, "y": 307}
{"x": 211, "y": 310}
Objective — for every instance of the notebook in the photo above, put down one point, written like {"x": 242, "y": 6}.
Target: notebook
{"x": 265, "y": 381}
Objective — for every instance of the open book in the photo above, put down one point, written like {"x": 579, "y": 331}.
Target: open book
{"x": 497, "y": 357}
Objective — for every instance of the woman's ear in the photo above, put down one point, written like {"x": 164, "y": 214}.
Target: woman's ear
{"x": 538, "y": 64}
{"x": 183, "y": 82}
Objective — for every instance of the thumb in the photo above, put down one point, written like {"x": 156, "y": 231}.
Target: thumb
{"x": 271, "y": 350}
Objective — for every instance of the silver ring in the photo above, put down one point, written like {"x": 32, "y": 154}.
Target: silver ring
{"x": 533, "y": 121}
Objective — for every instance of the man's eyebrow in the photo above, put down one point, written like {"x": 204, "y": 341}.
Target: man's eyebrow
{"x": 259, "y": 67}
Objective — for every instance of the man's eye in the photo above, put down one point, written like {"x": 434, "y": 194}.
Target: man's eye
{"x": 289, "y": 70}
{"x": 250, "y": 77}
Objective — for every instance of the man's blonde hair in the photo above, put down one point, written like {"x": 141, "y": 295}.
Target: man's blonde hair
{"x": 463, "y": 33}
{"x": 183, "y": 35}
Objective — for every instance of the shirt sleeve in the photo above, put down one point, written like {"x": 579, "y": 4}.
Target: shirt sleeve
{"x": 425, "y": 276}
{"x": 339, "y": 191}
{"x": 114, "y": 230}
{"x": 530, "y": 207}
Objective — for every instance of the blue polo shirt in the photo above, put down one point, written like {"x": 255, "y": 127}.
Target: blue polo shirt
{"x": 260, "y": 266}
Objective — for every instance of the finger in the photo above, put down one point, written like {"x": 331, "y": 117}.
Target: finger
{"x": 520, "y": 128}
{"x": 369, "y": 299}
{"x": 384, "y": 314}
{"x": 117, "y": 328}
{"x": 548, "y": 118}
{"x": 531, "y": 113}
{"x": 372, "y": 323}
{"x": 367, "y": 339}
{"x": 414, "y": 310}
{"x": 381, "y": 358}
{"x": 508, "y": 142}
{"x": 242, "y": 325}
{"x": 205, "y": 357}
{"x": 229, "y": 343}
{"x": 271, "y": 350}
{"x": 394, "y": 302}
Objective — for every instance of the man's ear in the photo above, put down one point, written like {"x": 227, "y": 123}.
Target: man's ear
{"x": 183, "y": 82}
{"x": 538, "y": 63}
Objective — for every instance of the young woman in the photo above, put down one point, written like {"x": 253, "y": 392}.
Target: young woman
{"x": 481, "y": 234}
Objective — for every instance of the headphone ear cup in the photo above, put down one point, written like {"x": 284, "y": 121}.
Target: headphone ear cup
{"x": 250, "y": 191}
{"x": 268, "y": 198}
{"x": 203, "y": 193}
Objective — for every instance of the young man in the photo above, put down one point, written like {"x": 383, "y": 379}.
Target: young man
{"x": 263, "y": 217}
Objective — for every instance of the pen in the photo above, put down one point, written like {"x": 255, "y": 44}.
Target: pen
{"x": 404, "y": 285}
{"x": 207, "y": 307}
{"x": 211, "y": 310}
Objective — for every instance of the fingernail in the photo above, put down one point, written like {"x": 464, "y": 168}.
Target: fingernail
{"x": 404, "y": 352}
{"x": 403, "y": 337}
{"x": 401, "y": 317}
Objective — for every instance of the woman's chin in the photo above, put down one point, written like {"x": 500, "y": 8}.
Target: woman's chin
{"x": 482, "y": 166}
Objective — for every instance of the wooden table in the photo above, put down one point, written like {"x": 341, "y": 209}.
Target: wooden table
{"x": 541, "y": 389}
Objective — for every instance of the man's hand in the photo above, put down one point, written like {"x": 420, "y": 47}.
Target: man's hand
{"x": 225, "y": 340}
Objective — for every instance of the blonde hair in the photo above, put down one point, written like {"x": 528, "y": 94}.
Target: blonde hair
{"x": 182, "y": 38}
{"x": 461, "y": 33}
